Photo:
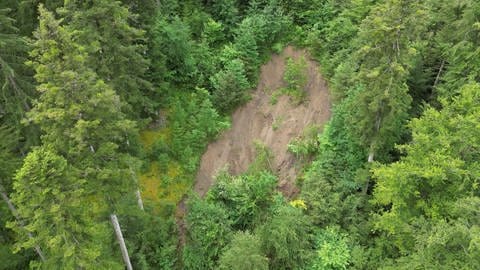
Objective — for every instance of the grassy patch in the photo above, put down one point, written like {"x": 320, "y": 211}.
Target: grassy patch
{"x": 172, "y": 154}
{"x": 277, "y": 122}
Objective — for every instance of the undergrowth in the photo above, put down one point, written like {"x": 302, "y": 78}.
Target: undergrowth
{"x": 173, "y": 154}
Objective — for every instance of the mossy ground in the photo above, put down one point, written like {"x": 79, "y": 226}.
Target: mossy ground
{"x": 162, "y": 186}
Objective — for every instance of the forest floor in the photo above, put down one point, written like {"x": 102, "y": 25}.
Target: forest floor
{"x": 273, "y": 125}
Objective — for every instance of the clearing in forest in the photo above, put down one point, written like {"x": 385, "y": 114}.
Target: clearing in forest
{"x": 274, "y": 125}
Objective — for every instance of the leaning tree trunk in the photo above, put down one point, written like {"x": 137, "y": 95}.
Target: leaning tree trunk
{"x": 121, "y": 241}
{"x": 139, "y": 199}
{"x": 138, "y": 195}
{"x": 371, "y": 154}
{"x": 437, "y": 78}
{"x": 12, "y": 208}
{"x": 118, "y": 231}
{"x": 370, "y": 160}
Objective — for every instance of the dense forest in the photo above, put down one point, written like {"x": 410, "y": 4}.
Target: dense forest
{"x": 100, "y": 98}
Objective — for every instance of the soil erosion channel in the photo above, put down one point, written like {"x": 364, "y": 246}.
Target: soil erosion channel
{"x": 274, "y": 125}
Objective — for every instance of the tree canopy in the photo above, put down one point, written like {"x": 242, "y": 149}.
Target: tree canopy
{"x": 106, "y": 108}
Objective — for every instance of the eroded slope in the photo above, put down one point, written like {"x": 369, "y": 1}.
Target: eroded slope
{"x": 273, "y": 125}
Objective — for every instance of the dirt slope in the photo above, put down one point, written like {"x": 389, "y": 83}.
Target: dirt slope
{"x": 274, "y": 125}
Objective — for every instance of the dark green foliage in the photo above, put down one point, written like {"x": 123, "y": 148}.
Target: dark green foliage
{"x": 230, "y": 86}
{"x": 286, "y": 238}
{"x": 387, "y": 48}
{"x": 171, "y": 51}
{"x": 331, "y": 31}
{"x": 458, "y": 39}
{"x": 80, "y": 114}
{"x": 144, "y": 12}
{"x": 208, "y": 233}
{"x": 257, "y": 33}
{"x": 151, "y": 241}
{"x": 16, "y": 82}
{"x": 16, "y": 89}
{"x": 226, "y": 12}
{"x": 247, "y": 198}
{"x": 9, "y": 162}
{"x": 243, "y": 253}
{"x": 306, "y": 12}
{"x": 15, "y": 78}
{"x": 403, "y": 64}
{"x": 213, "y": 33}
{"x": 443, "y": 245}
{"x": 105, "y": 62}
{"x": 9, "y": 259}
{"x": 115, "y": 49}
{"x": 246, "y": 47}
{"x": 26, "y": 13}
{"x": 193, "y": 121}
{"x": 244, "y": 202}
{"x": 49, "y": 200}
{"x": 330, "y": 182}
{"x": 84, "y": 158}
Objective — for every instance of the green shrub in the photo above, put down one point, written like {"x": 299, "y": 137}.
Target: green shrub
{"x": 286, "y": 238}
{"x": 230, "y": 86}
{"x": 332, "y": 250}
{"x": 247, "y": 197}
{"x": 295, "y": 78}
{"x": 193, "y": 121}
{"x": 209, "y": 231}
{"x": 244, "y": 253}
{"x": 307, "y": 144}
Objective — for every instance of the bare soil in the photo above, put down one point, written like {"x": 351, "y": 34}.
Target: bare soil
{"x": 273, "y": 125}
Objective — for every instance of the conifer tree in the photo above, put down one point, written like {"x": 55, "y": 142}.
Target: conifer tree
{"x": 82, "y": 171}
{"x": 78, "y": 113}
{"x": 386, "y": 51}
{"x": 16, "y": 87}
{"x": 458, "y": 41}
{"x": 115, "y": 49}
{"x": 51, "y": 201}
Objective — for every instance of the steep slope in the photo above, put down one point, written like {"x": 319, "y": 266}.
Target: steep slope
{"x": 274, "y": 125}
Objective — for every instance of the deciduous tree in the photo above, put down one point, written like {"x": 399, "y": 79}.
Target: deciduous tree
{"x": 426, "y": 189}
{"x": 243, "y": 253}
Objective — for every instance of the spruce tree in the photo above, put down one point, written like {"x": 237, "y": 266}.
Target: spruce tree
{"x": 387, "y": 48}
{"x": 16, "y": 88}
{"x": 386, "y": 51}
{"x": 83, "y": 170}
{"x": 115, "y": 49}
{"x": 79, "y": 114}
{"x": 51, "y": 201}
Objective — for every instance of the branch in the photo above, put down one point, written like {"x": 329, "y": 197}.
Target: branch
{"x": 14, "y": 211}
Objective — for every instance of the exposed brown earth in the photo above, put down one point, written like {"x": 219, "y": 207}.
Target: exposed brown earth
{"x": 273, "y": 125}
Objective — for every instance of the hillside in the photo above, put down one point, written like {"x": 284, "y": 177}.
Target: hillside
{"x": 239, "y": 135}
{"x": 273, "y": 125}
